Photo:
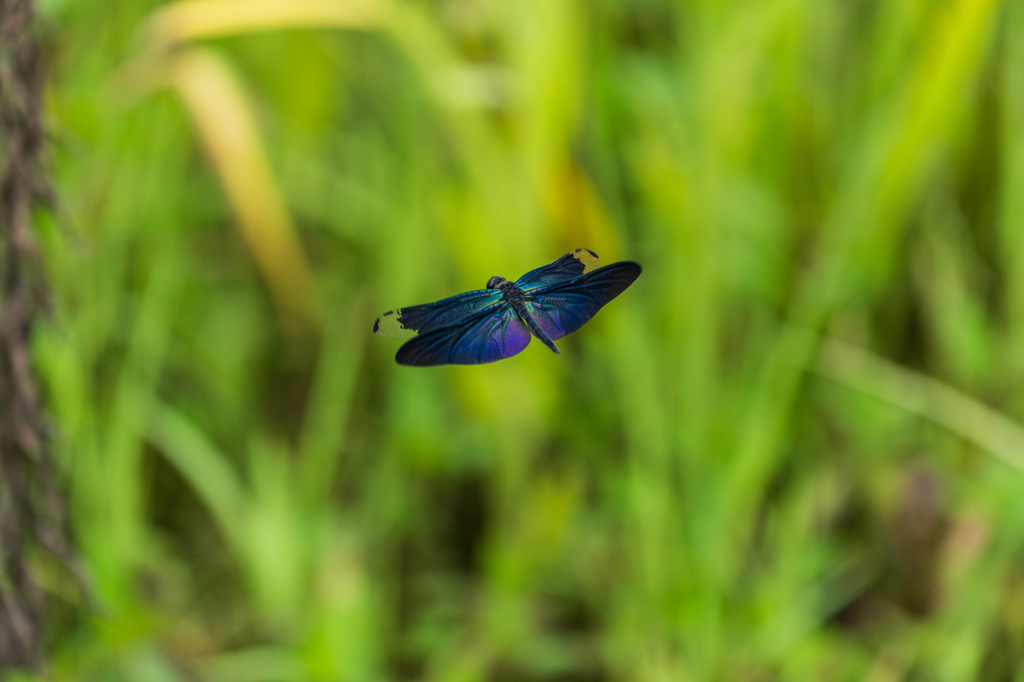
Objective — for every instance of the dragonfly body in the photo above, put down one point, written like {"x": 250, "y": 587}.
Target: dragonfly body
{"x": 497, "y": 322}
{"x": 515, "y": 297}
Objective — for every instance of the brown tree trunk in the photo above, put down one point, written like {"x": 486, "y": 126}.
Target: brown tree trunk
{"x": 31, "y": 508}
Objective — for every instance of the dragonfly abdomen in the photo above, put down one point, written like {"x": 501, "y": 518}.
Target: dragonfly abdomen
{"x": 519, "y": 306}
{"x": 514, "y": 295}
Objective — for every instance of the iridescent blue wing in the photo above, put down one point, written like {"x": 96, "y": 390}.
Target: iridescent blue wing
{"x": 404, "y": 323}
{"x": 568, "y": 267}
{"x": 561, "y": 309}
{"x": 491, "y": 334}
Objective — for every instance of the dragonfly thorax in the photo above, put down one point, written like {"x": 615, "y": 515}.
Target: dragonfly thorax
{"x": 511, "y": 292}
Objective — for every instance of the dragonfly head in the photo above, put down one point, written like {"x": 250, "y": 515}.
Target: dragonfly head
{"x": 495, "y": 282}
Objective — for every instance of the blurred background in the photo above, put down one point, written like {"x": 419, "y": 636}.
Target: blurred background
{"x": 790, "y": 451}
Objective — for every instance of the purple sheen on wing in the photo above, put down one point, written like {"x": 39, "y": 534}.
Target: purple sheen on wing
{"x": 495, "y": 338}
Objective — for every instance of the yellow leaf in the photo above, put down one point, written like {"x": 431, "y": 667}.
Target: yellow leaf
{"x": 198, "y": 19}
{"x": 226, "y": 125}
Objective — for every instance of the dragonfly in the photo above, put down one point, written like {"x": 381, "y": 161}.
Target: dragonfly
{"x": 498, "y": 322}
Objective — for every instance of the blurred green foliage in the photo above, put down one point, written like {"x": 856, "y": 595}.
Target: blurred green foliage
{"x": 260, "y": 493}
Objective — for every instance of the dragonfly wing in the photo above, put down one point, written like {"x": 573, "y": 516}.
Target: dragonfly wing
{"x": 404, "y": 323}
{"x": 568, "y": 267}
{"x": 489, "y": 335}
{"x": 561, "y": 309}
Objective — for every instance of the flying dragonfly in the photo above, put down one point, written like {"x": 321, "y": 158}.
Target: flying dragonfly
{"x": 497, "y": 322}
